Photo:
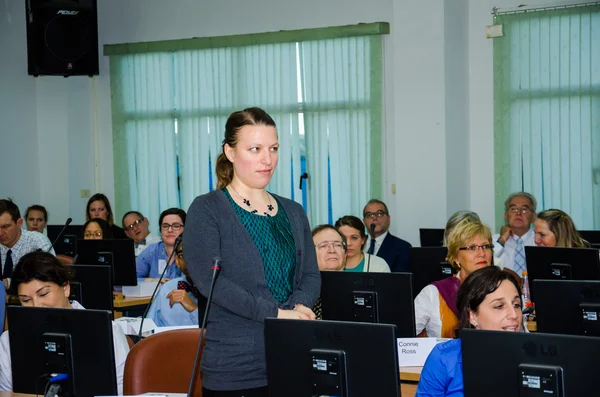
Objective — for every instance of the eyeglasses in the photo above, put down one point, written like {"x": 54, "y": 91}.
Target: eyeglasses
{"x": 92, "y": 234}
{"x": 522, "y": 210}
{"x": 475, "y": 248}
{"x": 174, "y": 226}
{"x": 134, "y": 224}
{"x": 378, "y": 214}
{"x": 338, "y": 245}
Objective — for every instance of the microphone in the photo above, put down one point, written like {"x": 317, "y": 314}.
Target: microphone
{"x": 177, "y": 242}
{"x": 372, "y": 229}
{"x": 216, "y": 266}
{"x": 67, "y": 223}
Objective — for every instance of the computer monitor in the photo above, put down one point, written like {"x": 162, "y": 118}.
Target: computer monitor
{"x": 119, "y": 254}
{"x": 48, "y": 340}
{"x": 568, "y": 307}
{"x": 500, "y": 364}
{"x": 432, "y": 237}
{"x": 428, "y": 265}
{"x": 67, "y": 243}
{"x": 93, "y": 287}
{"x": 553, "y": 263}
{"x": 370, "y": 298}
{"x": 331, "y": 358}
{"x": 591, "y": 236}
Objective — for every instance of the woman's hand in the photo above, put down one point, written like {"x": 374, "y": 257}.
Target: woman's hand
{"x": 181, "y": 296}
{"x": 292, "y": 314}
{"x": 300, "y": 308}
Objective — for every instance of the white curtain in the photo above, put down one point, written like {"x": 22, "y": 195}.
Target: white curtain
{"x": 147, "y": 92}
{"x": 336, "y": 92}
{"x": 547, "y": 110}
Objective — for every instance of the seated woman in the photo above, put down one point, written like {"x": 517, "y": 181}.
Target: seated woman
{"x": 488, "y": 299}
{"x": 152, "y": 261}
{"x": 353, "y": 230}
{"x": 554, "y": 228}
{"x": 36, "y": 218}
{"x": 470, "y": 247}
{"x": 96, "y": 229}
{"x": 177, "y": 300}
{"x": 98, "y": 206}
{"x": 40, "y": 280}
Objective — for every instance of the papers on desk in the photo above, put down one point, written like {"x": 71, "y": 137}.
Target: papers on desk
{"x": 141, "y": 290}
{"x": 412, "y": 352}
{"x": 158, "y": 330}
{"x": 131, "y": 325}
{"x": 154, "y": 395}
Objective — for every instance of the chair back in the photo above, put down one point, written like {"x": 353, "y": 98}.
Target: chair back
{"x": 163, "y": 363}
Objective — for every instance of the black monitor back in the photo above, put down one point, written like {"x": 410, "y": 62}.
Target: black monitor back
{"x": 369, "y": 352}
{"x": 428, "y": 265}
{"x": 91, "y": 341}
{"x": 369, "y": 297}
{"x": 568, "y": 307}
{"x": 553, "y": 263}
{"x": 93, "y": 287}
{"x": 123, "y": 258}
{"x": 500, "y": 364}
{"x": 591, "y": 236}
{"x": 432, "y": 237}
{"x": 67, "y": 244}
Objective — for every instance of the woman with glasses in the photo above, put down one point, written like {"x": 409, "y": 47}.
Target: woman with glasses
{"x": 96, "y": 229}
{"x": 177, "y": 300}
{"x": 470, "y": 248}
{"x": 265, "y": 247}
{"x": 152, "y": 261}
{"x": 555, "y": 228}
{"x": 98, "y": 206}
{"x": 353, "y": 230}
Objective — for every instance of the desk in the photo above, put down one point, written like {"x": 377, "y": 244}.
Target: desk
{"x": 410, "y": 374}
{"x": 406, "y": 389}
{"x": 122, "y": 304}
{"x": 532, "y": 326}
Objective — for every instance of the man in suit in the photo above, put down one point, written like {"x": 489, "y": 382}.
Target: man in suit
{"x": 381, "y": 242}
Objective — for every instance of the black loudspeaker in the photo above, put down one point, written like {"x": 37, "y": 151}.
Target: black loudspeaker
{"x": 62, "y": 37}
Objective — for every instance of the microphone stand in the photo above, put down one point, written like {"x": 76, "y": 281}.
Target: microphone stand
{"x": 67, "y": 223}
{"x": 372, "y": 229}
{"x": 216, "y": 268}
{"x": 139, "y": 335}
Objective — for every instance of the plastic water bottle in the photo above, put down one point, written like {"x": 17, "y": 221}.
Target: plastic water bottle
{"x": 526, "y": 295}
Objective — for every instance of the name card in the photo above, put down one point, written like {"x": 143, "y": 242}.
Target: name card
{"x": 412, "y": 352}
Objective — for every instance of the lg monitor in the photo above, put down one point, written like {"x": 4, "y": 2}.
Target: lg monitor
{"x": 428, "y": 265}
{"x": 67, "y": 243}
{"x": 119, "y": 254}
{"x": 432, "y": 237}
{"x": 75, "y": 342}
{"x": 591, "y": 236}
{"x": 553, "y": 263}
{"x": 369, "y": 297}
{"x": 568, "y": 307}
{"x": 93, "y": 287}
{"x": 331, "y": 358}
{"x": 500, "y": 364}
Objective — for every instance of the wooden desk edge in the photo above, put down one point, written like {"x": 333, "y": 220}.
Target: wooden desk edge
{"x": 410, "y": 374}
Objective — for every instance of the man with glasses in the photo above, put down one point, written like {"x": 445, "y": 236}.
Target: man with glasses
{"x": 381, "y": 242}
{"x": 136, "y": 228}
{"x": 519, "y": 214}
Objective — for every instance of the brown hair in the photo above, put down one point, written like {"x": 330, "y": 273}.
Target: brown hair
{"x": 104, "y": 199}
{"x": 353, "y": 222}
{"x": 561, "y": 224}
{"x": 235, "y": 122}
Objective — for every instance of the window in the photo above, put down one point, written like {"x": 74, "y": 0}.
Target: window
{"x": 170, "y": 109}
{"x": 547, "y": 110}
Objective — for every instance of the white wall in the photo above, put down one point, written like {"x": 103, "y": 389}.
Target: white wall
{"x": 438, "y": 144}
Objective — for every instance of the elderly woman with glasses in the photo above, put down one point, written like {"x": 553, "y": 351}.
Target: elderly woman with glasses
{"x": 470, "y": 247}
{"x": 152, "y": 261}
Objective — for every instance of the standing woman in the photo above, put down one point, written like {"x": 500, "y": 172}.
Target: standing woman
{"x": 269, "y": 267}
{"x": 98, "y": 206}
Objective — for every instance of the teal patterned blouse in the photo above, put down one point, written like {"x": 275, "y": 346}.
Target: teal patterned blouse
{"x": 273, "y": 237}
